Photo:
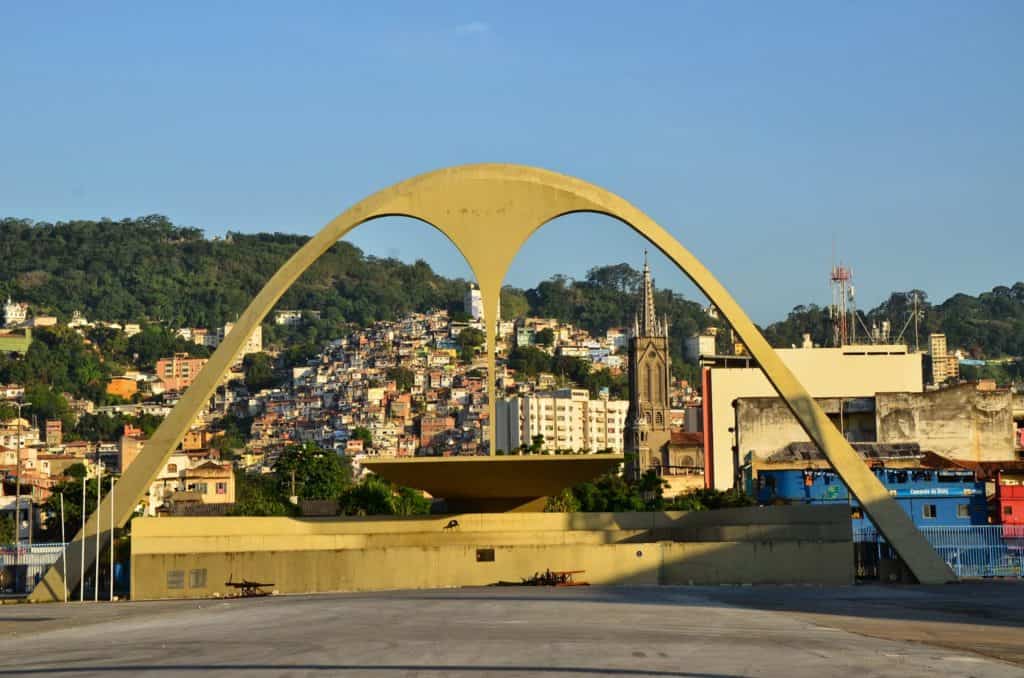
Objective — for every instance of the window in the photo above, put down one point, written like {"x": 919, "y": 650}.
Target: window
{"x": 172, "y": 468}
{"x": 198, "y": 487}
{"x": 1007, "y": 510}
{"x": 222, "y": 488}
{"x": 928, "y": 511}
{"x": 197, "y": 579}
{"x": 963, "y": 511}
{"x": 176, "y": 579}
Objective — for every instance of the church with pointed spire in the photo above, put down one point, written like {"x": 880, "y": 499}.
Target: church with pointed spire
{"x": 648, "y": 424}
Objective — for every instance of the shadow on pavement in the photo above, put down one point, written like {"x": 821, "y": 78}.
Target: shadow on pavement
{"x": 360, "y": 668}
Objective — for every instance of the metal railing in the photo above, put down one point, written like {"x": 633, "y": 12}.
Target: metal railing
{"x": 22, "y": 566}
{"x": 970, "y": 551}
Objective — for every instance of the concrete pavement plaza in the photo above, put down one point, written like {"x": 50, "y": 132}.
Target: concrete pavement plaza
{"x": 972, "y": 629}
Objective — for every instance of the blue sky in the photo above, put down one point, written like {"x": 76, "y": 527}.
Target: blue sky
{"x": 755, "y": 132}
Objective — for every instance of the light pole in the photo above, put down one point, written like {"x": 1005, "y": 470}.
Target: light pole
{"x": 99, "y": 522}
{"x": 17, "y": 494}
{"x": 111, "y": 493}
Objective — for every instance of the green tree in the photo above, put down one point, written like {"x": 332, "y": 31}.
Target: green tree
{"x": 155, "y": 342}
{"x": 410, "y": 502}
{"x": 76, "y": 471}
{"x": 259, "y": 495}
{"x": 529, "y": 361}
{"x": 513, "y": 304}
{"x": 233, "y": 433}
{"x": 364, "y": 434}
{"x": 106, "y": 427}
{"x": 546, "y": 337}
{"x": 403, "y": 377}
{"x": 48, "y": 404}
{"x": 563, "y": 502}
{"x": 318, "y": 473}
{"x": 259, "y": 372}
{"x": 470, "y": 340}
{"x": 71, "y": 489}
{"x": 7, "y": 535}
{"x": 376, "y": 496}
{"x": 370, "y": 497}
{"x": 709, "y": 500}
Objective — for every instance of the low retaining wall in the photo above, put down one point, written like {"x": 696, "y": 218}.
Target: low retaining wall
{"x": 194, "y": 557}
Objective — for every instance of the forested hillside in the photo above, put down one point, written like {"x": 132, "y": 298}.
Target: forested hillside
{"x": 609, "y": 296}
{"x": 988, "y": 326}
{"x": 148, "y": 269}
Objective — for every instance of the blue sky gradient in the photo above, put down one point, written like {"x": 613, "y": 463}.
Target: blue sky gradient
{"x": 755, "y": 132}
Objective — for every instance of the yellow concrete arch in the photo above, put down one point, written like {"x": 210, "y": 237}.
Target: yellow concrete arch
{"x": 488, "y": 211}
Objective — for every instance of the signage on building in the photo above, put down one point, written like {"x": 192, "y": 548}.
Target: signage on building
{"x": 934, "y": 492}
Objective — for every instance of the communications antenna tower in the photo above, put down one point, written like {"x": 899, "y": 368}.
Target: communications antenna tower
{"x": 844, "y": 330}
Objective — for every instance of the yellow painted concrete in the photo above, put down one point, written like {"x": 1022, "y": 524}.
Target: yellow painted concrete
{"x": 790, "y": 544}
{"x": 514, "y": 479}
{"x": 488, "y": 211}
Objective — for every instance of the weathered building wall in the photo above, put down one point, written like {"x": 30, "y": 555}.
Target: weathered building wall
{"x": 849, "y": 372}
{"x": 959, "y": 422}
{"x": 766, "y": 425}
{"x": 194, "y": 557}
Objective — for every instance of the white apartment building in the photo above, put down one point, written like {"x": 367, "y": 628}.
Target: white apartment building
{"x": 288, "y": 317}
{"x": 568, "y": 419}
{"x": 700, "y": 344}
{"x": 474, "y": 303}
{"x": 10, "y": 432}
{"x": 254, "y": 344}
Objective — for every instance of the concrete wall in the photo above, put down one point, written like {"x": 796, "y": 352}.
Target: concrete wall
{"x": 959, "y": 423}
{"x": 785, "y": 544}
{"x": 824, "y": 372}
{"x": 766, "y": 425}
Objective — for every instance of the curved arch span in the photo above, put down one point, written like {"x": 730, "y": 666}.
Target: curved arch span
{"x": 488, "y": 211}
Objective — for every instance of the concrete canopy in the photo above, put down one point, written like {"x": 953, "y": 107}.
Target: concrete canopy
{"x": 488, "y": 211}
{"x": 503, "y": 483}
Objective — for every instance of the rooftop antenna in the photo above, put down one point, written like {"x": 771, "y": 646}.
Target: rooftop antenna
{"x": 841, "y": 281}
{"x": 915, "y": 317}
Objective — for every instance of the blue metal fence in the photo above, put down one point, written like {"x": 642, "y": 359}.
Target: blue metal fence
{"x": 22, "y": 566}
{"x": 974, "y": 551}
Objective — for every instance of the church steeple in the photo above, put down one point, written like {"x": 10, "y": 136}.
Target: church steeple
{"x": 646, "y": 323}
{"x": 649, "y": 417}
